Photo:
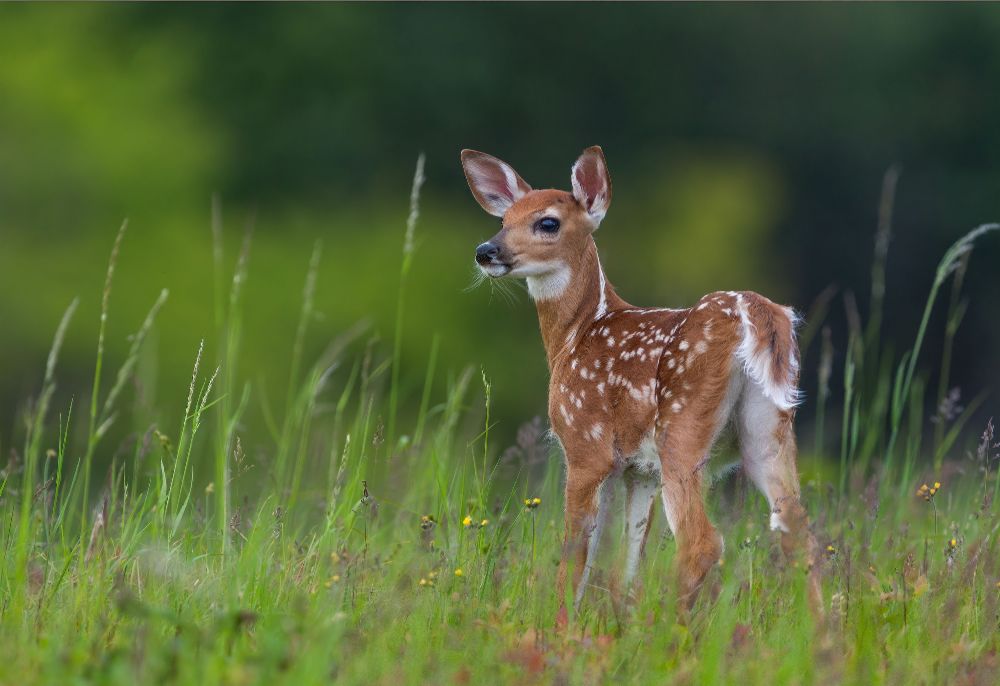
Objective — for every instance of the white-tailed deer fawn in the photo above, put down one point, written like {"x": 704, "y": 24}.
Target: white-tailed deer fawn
{"x": 644, "y": 392}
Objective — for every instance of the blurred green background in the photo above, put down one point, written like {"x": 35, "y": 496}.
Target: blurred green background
{"x": 746, "y": 143}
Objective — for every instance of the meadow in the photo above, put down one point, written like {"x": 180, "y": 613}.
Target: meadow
{"x": 373, "y": 544}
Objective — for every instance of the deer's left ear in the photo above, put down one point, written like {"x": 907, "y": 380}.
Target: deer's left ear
{"x": 592, "y": 184}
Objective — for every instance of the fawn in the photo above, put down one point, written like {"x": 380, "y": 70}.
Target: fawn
{"x": 643, "y": 393}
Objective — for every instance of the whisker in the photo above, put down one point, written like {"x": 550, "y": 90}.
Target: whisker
{"x": 478, "y": 277}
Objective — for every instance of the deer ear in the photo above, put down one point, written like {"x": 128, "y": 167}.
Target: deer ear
{"x": 591, "y": 183}
{"x": 494, "y": 183}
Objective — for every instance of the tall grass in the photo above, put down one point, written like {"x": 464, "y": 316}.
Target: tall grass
{"x": 361, "y": 546}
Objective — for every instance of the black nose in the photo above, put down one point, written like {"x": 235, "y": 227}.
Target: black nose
{"x": 486, "y": 252}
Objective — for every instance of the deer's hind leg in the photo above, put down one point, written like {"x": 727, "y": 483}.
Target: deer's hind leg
{"x": 767, "y": 442}
{"x": 687, "y": 426}
{"x": 699, "y": 545}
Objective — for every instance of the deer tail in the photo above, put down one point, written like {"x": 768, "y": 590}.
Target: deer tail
{"x": 768, "y": 349}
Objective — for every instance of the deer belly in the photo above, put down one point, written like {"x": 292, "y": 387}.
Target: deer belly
{"x": 646, "y": 459}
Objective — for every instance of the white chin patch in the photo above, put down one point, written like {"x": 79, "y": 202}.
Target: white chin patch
{"x": 547, "y": 280}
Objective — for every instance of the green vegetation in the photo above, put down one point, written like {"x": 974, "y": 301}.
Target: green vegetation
{"x": 258, "y": 443}
{"x": 745, "y": 144}
{"x": 351, "y": 551}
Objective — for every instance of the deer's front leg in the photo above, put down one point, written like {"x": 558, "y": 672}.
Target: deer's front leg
{"x": 587, "y": 504}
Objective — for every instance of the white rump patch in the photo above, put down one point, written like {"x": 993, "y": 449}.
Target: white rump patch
{"x": 777, "y": 524}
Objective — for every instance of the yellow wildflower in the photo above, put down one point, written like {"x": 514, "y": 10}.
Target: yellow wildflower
{"x": 467, "y": 522}
{"x": 458, "y": 572}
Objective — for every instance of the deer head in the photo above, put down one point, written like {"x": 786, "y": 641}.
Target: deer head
{"x": 544, "y": 233}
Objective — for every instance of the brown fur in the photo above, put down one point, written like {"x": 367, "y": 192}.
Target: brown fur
{"x": 621, "y": 375}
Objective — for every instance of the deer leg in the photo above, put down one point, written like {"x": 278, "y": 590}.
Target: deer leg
{"x": 767, "y": 441}
{"x": 588, "y": 498}
{"x": 699, "y": 546}
{"x": 641, "y": 490}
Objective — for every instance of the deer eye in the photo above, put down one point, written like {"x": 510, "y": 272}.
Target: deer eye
{"x": 547, "y": 224}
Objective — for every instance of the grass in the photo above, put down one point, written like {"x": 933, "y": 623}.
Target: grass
{"x": 366, "y": 545}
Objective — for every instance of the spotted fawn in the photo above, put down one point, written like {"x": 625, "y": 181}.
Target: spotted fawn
{"x": 642, "y": 393}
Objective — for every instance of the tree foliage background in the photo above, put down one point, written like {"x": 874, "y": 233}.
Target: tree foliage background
{"x": 746, "y": 143}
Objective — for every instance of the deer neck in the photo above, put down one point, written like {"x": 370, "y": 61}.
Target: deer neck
{"x": 569, "y": 299}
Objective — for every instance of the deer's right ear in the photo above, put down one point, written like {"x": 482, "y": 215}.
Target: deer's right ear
{"x": 494, "y": 183}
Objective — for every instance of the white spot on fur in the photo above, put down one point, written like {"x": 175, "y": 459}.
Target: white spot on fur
{"x": 596, "y": 431}
{"x": 566, "y": 415}
{"x": 644, "y": 393}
